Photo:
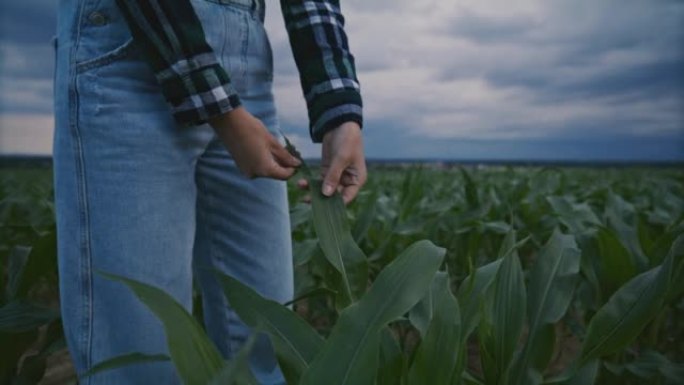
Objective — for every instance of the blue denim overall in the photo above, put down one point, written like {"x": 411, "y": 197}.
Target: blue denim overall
{"x": 139, "y": 196}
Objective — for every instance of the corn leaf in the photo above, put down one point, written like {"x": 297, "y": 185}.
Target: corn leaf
{"x": 577, "y": 217}
{"x": 504, "y": 318}
{"x": 421, "y": 315}
{"x": 21, "y": 316}
{"x": 237, "y": 370}
{"x": 41, "y": 261}
{"x": 392, "y": 361}
{"x": 437, "y": 355}
{"x": 196, "y": 358}
{"x": 677, "y": 254}
{"x": 472, "y": 290}
{"x": 616, "y": 266}
{"x": 295, "y": 342}
{"x": 124, "y": 360}
{"x": 621, "y": 216}
{"x": 551, "y": 287}
{"x": 471, "y": 294}
{"x": 350, "y": 355}
{"x": 17, "y": 260}
{"x": 627, "y": 312}
{"x": 337, "y": 243}
{"x": 585, "y": 375}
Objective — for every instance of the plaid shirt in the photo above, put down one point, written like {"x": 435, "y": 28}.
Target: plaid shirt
{"x": 198, "y": 88}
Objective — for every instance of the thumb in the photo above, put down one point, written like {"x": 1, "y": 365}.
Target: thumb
{"x": 332, "y": 177}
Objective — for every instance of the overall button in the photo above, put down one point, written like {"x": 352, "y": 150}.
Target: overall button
{"x": 97, "y": 18}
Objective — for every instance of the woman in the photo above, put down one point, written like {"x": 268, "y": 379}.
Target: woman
{"x": 167, "y": 163}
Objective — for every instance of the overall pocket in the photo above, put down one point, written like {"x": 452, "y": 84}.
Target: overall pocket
{"x": 117, "y": 53}
{"x": 104, "y": 36}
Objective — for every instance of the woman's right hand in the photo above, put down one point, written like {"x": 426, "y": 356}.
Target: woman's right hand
{"x": 256, "y": 152}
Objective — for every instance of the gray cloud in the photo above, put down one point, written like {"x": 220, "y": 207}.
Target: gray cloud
{"x": 27, "y": 22}
{"x": 482, "y": 29}
{"x": 462, "y": 79}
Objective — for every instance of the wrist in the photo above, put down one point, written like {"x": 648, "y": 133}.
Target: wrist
{"x": 350, "y": 128}
{"x": 230, "y": 122}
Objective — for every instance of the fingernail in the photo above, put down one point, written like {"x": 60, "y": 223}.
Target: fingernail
{"x": 327, "y": 189}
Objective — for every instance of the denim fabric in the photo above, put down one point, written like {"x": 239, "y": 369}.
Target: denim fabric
{"x": 138, "y": 196}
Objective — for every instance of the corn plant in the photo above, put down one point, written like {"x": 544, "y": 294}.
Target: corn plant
{"x": 408, "y": 326}
{"x": 30, "y": 328}
{"x": 553, "y": 276}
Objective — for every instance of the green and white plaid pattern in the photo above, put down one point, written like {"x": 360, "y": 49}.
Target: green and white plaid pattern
{"x": 172, "y": 38}
{"x": 198, "y": 88}
{"x": 326, "y": 66}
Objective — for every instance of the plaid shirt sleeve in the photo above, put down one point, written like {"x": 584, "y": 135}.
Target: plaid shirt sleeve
{"x": 326, "y": 66}
{"x": 193, "y": 82}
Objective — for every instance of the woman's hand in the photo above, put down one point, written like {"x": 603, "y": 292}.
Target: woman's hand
{"x": 343, "y": 165}
{"x": 256, "y": 152}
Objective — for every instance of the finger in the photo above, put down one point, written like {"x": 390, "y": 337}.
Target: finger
{"x": 349, "y": 193}
{"x": 303, "y": 184}
{"x": 349, "y": 179}
{"x": 332, "y": 177}
{"x": 276, "y": 171}
{"x": 283, "y": 157}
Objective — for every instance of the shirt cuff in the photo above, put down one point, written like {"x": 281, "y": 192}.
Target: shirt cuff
{"x": 199, "y": 95}
{"x": 328, "y": 111}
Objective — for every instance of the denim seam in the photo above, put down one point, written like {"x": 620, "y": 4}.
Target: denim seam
{"x": 224, "y": 39}
{"x": 209, "y": 220}
{"x": 85, "y": 261}
{"x": 118, "y": 53}
{"x": 244, "y": 34}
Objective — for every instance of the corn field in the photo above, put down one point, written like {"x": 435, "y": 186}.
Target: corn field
{"x": 433, "y": 276}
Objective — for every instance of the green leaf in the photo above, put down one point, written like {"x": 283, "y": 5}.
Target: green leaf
{"x": 627, "y": 312}
{"x": 295, "y": 342}
{"x": 303, "y": 251}
{"x": 553, "y": 279}
{"x": 41, "y": 262}
{"x": 504, "y": 318}
{"x": 124, "y": 360}
{"x": 237, "y": 370}
{"x": 577, "y": 217}
{"x": 622, "y": 218}
{"x": 22, "y": 316}
{"x": 196, "y": 358}
{"x": 13, "y": 348}
{"x": 542, "y": 348}
{"x": 15, "y": 269}
{"x": 350, "y": 355}
{"x": 651, "y": 364}
{"x": 472, "y": 290}
{"x": 366, "y": 217}
{"x": 471, "y": 294}
{"x": 32, "y": 370}
{"x": 437, "y": 354}
{"x": 616, "y": 267}
{"x": 585, "y": 375}
{"x": 421, "y": 314}
{"x": 337, "y": 243}
{"x": 677, "y": 254}
{"x": 470, "y": 188}
{"x": 551, "y": 287}
{"x": 392, "y": 361}
{"x": 304, "y": 168}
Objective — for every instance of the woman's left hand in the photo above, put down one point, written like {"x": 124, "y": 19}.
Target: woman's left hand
{"x": 343, "y": 164}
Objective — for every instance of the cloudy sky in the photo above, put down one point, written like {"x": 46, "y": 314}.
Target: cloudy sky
{"x": 457, "y": 79}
